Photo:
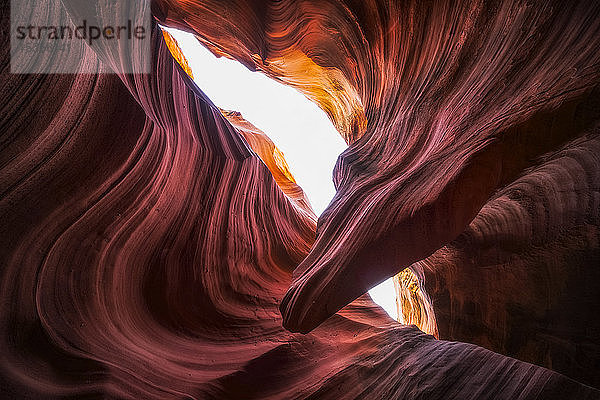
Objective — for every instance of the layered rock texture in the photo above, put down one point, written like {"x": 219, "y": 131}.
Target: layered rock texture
{"x": 153, "y": 246}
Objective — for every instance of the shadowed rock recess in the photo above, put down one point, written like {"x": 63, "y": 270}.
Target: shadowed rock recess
{"x": 153, "y": 246}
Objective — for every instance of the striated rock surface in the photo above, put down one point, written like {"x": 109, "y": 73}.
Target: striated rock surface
{"x": 444, "y": 106}
{"x": 148, "y": 238}
{"x": 529, "y": 290}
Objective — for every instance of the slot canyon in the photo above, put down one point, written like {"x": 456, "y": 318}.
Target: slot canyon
{"x": 156, "y": 246}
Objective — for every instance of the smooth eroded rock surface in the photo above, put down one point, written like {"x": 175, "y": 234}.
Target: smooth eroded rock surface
{"x": 148, "y": 239}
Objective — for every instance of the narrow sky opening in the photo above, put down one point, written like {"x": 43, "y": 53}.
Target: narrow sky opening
{"x": 300, "y": 129}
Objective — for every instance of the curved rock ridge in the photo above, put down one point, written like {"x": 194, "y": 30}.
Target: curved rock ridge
{"x": 459, "y": 99}
{"x": 530, "y": 290}
{"x": 262, "y": 145}
{"x": 145, "y": 248}
{"x": 273, "y": 158}
{"x": 279, "y": 38}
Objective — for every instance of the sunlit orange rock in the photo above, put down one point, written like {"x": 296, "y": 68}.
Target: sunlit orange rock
{"x": 413, "y": 303}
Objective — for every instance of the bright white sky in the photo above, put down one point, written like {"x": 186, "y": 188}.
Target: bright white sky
{"x": 300, "y": 129}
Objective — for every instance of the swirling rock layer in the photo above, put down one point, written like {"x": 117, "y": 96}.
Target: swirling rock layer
{"x": 145, "y": 247}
